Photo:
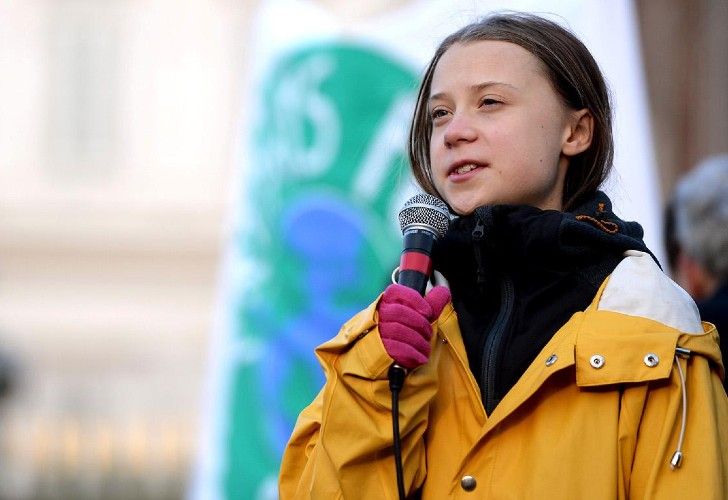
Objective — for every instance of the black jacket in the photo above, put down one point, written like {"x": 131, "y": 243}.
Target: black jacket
{"x": 517, "y": 273}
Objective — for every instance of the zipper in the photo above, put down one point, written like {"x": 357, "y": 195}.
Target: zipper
{"x": 491, "y": 352}
{"x": 494, "y": 338}
{"x": 477, "y": 234}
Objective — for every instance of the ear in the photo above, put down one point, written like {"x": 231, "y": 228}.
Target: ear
{"x": 578, "y": 134}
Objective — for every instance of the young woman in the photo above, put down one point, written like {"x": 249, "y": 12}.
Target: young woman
{"x": 566, "y": 364}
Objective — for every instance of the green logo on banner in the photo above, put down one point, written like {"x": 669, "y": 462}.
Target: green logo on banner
{"x": 317, "y": 241}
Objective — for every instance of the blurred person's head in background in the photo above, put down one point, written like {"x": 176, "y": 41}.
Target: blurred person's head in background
{"x": 700, "y": 217}
{"x": 701, "y": 227}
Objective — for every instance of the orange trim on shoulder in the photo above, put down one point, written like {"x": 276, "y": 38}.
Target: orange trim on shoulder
{"x": 604, "y": 225}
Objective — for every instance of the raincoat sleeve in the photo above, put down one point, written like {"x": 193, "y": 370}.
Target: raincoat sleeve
{"x": 341, "y": 446}
{"x": 657, "y": 413}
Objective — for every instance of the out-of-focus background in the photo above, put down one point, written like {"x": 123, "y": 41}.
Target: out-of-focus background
{"x": 117, "y": 132}
{"x": 120, "y": 124}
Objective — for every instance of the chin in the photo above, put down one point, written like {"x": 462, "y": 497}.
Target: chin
{"x": 465, "y": 202}
{"x": 464, "y": 208}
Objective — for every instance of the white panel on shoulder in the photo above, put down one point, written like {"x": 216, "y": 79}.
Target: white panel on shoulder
{"x": 639, "y": 288}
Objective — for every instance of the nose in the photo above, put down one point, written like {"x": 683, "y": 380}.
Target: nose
{"x": 459, "y": 130}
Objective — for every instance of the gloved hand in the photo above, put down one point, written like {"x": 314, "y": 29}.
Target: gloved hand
{"x": 404, "y": 322}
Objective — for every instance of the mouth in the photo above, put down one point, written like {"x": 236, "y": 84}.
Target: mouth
{"x": 464, "y": 167}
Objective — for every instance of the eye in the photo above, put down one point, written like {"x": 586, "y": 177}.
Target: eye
{"x": 489, "y": 102}
{"x": 438, "y": 113}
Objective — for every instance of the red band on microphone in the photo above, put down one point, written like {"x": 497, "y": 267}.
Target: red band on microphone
{"x": 415, "y": 261}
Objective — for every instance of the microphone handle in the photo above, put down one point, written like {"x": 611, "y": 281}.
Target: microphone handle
{"x": 415, "y": 265}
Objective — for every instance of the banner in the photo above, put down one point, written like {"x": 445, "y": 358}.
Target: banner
{"x": 323, "y": 172}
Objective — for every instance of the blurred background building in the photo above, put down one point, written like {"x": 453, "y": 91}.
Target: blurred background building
{"x": 118, "y": 129}
{"x": 116, "y": 139}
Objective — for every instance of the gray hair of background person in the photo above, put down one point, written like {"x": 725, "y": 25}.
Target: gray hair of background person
{"x": 701, "y": 215}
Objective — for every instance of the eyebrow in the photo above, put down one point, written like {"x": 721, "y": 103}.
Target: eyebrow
{"x": 478, "y": 87}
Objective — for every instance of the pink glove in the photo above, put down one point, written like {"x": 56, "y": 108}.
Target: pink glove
{"x": 404, "y": 322}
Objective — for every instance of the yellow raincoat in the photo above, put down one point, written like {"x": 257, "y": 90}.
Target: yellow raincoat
{"x": 597, "y": 415}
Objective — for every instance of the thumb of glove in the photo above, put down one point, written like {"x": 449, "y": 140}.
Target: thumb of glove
{"x": 437, "y": 298}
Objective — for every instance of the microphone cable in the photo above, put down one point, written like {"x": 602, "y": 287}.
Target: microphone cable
{"x": 396, "y": 377}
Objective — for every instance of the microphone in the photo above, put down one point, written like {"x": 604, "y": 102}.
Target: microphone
{"x": 423, "y": 219}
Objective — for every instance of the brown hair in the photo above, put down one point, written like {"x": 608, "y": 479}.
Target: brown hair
{"x": 574, "y": 75}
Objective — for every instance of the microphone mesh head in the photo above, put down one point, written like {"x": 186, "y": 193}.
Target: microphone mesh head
{"x": 425, "y": 211}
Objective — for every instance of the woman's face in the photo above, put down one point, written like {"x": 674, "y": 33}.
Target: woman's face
{"x": 499, "y": 129}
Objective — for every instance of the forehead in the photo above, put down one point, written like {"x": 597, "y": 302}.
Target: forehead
{"x": 486, "y": 60}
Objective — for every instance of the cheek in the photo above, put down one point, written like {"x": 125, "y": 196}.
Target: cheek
{"x": 539, "y": 145}
{"x": 436, "y": 148}
{"x": 438, "y": 162}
